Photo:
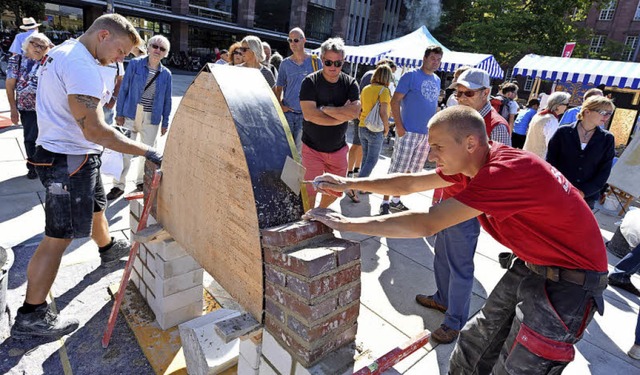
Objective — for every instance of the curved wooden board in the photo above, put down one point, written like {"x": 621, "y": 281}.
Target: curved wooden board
{"x": 221, "y": 177}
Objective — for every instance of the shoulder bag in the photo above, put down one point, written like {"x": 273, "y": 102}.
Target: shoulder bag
{"x": 373, "y": 122}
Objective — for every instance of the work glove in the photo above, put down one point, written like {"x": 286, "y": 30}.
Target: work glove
{"x": 154, "y": 156}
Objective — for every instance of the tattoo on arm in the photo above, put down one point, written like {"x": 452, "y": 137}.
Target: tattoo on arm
{"x": 89, "y": 101}
{"x": 81, "y": 121}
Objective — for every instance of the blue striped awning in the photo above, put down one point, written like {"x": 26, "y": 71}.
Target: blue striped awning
{"x": 596, "y": 72}
{"x": 451, "y": 61}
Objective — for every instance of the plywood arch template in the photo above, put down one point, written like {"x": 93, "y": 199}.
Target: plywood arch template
{"x": 221, "y": 177}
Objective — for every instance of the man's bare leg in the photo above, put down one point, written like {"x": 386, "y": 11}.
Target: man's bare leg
{"x": 100, "y": 229}
{"x": 43, "y": 268}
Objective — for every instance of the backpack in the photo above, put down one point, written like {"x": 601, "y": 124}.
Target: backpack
{"x": 501, "y": 105}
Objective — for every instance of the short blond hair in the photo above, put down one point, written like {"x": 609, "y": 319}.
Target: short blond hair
{"x": 461, "y": 121}
{"x": 596, "y": 103}
{"x": 116, "y": 24}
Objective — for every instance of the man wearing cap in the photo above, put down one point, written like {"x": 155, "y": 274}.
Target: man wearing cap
{"x": 455, "y": 246}
{"x": 30, "y": 26}
{"x": 413, "y": 103}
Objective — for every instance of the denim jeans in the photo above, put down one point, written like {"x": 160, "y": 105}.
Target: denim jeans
{"x": 371, "y": 147}
{"x": 29, "y": 120}
{"x": 453, "y": 268}
{"x": 109, "y": 115}
{"x": 627, "y": 266}
{"x": 295, "y": 124}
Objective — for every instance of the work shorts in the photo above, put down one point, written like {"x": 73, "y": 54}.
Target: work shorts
{"x": 74, "y": 192}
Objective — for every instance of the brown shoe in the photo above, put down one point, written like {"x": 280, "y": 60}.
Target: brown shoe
{"x": 430, "y": 303}
{"x": 444, "y": 334}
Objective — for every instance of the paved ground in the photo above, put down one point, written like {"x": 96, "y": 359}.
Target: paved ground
{"x": 393, "y": 271}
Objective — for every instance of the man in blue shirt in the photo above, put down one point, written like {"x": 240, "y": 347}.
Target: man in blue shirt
{"x": 521, "y": 124}
{"x": 413, "y": 104}
{"x": 571, "y": 115}
{"x": 29, "y": 26}
{"x": 292, "y": 71}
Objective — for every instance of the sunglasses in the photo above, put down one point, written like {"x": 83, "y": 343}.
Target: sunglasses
{"x": 155, "y": 46}
{"x": 605, "y": 113}
{"x": 235, "y": 53}
{"x": 242, "y": 49}
{"x": 468, "y": 94}
{"x": 38, "y": 45}
{"x": 295, "y": 40}
{"x": 337, "y": 63}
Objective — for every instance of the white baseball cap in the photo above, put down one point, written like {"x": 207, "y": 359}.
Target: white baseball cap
{"x": 473, "y": 79}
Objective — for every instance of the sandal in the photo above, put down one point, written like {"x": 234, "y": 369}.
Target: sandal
{"x": 353, "y": 196}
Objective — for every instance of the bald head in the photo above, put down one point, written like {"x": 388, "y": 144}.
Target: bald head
{"x": 461, "y": 122}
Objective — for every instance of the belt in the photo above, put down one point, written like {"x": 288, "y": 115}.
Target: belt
{"x": 573, "y": 276}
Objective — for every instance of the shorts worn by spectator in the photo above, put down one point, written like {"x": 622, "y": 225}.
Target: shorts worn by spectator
{"x": 535, "y": 314}
{"x": 70, "y": 97}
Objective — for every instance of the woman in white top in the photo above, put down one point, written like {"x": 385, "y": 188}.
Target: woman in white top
{"x": 254, "y": 56}
{"x": 544, "y": 124}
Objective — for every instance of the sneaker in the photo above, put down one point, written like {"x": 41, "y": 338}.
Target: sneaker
{"x": 139, "y": 187}
{"x": 628, "y": 286}
{"x": 634, "y": 352}
{"x": 430, "y": 303}
{"x": 384, "y": 209}
{"x": 398, "y": 207}
{"x": 444, "y": 334}
{"x": 119, "y": 249}
{"x": 42, "y": 322}
{"x": 115, "y": 193}
{"x": 32, "y": 175}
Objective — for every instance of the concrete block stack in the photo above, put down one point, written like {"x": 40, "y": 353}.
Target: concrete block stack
{"x": 312, "y": 295}
{"x": 168, "y": 278}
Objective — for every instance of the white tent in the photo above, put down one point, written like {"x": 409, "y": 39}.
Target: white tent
{"x": 408, "y": 51}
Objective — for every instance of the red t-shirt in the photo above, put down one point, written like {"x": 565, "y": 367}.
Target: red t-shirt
{"x": 530, "y": 207}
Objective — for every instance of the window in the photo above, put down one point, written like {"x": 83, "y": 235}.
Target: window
{"x": 637, "y": 16}
{"x": 607, "y": 11}
{"x": 631, "y": 43}
{"x": 528, "y": 84}
{"x": 597, "y": 42}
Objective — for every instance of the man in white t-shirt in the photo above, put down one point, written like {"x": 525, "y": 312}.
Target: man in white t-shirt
{"x": 72, "y": 134}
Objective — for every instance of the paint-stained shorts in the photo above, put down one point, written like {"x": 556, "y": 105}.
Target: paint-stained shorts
{"x": 74, "y": 192}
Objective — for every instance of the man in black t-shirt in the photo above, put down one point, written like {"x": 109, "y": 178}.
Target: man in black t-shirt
{"x": 328, "y": 99}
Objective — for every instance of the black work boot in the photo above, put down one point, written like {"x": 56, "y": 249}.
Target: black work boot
{"x": 42, "y": 322}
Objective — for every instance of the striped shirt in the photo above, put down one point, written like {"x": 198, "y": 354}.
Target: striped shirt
{"x": 500, "y": 133}
{"x": 150, "y": 92}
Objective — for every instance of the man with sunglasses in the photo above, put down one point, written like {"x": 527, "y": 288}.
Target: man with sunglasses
{"x": 413, "y": 104}
{"x": 329, "y": 99}
{"x": 291, "y": 72}
{"x": 455, "y": 246}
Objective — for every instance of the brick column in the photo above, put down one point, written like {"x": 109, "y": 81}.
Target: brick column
{"x": 374, "y": 30}
{"x": 246, "y": 12}
{"x": 341, "y": 18}
{"x": 179, "y": 36}
{"x": 312, "y": 290}
{"x": 298, "y": 16}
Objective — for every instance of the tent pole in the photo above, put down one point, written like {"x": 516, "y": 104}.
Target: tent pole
{"x": 534, "y": 89}
{"x": 355, "y": 70}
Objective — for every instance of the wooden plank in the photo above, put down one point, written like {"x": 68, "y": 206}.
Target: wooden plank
{"x": 621, "y": 125}
{"x": 625, "y": 174}
{"x": 221, "y": 184}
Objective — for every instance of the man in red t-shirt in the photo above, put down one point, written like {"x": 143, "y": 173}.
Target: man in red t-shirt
{"x": 546, "y": 299}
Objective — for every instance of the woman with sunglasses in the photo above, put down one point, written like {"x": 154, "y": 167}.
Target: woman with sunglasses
{"x": 254, "y": 57}
{"x": 236, "y": 57}
{"x": 21, "y": 86}
{"x": 544, "y": 124}
{"x": 144, "y": 104}
{"x": 582, "y": 151}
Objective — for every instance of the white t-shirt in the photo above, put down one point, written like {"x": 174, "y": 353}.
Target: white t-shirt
{"x": 69, "y": 70}
{"x": 109, "y": 73}
{"x": 513, "y": 108}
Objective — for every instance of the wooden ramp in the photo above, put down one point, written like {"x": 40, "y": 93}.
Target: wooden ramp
{"x": 221, "y": 177}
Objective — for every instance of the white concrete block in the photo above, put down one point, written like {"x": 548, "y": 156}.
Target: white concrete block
{"x": 251, "y": 351}
{"x": 170, "y": 303}
{"x": 170, "y": 319}
{"x": 204, "y": 351}
{"x": 276, "y": 354}
{"x": 137, "y": 265}
{"x": 245, "y": 369}
{"x": 265, "y": 369}
{"x": 167, "y": 250}
{"x": 174, "y": 267}
{"x": 135, "y": 206}
{"x": 167, "y": 287}
{"x": 135, "y": 278}
{"x": 340, "y": 361}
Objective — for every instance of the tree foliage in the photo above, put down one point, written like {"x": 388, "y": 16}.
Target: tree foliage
{"x": 24, "y": 8}
{"x": 510, "y": 29}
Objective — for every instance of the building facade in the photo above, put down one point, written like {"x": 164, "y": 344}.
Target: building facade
{"x": 618, "y": 22}
{"x": 198, "y": 26}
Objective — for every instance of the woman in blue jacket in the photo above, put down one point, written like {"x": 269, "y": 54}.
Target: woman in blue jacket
{"x": 144, "y": 104}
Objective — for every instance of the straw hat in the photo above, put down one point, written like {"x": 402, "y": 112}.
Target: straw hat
{"x": 29, "y": 23}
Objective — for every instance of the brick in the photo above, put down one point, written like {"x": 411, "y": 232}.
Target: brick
{"x": 351, "y": 294}
{"x": 173, "y": 318}
{"x": 250, "y": 352}
{"x": 292, "y": 233}
{"x": 308, "y": 262}
{"x": 320, "y": 286}
{"x": 166, "y": 269}
{"x": 274, "y": 275}
{"x": 167, "y": 287}
{"x": 274, "y": 310}
{"x": 327, "y": 326}
{"x": 349, "y": 253}
{"x": 167, "y": 250}
{"x": 306, "y": 312}
{"x": 310, "y": 354}
{"x": 276, "y": 354}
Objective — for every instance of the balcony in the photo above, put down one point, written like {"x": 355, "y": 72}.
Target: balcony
{"x": 154, "y": 4}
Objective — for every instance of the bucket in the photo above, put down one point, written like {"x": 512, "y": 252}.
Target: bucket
{"x": 618, "y": 245}
{"x": 6, "y": 261}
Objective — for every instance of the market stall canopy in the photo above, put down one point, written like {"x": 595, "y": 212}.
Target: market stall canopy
{"x": 596, "y": 72}
{"x": 408, "y": 51}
